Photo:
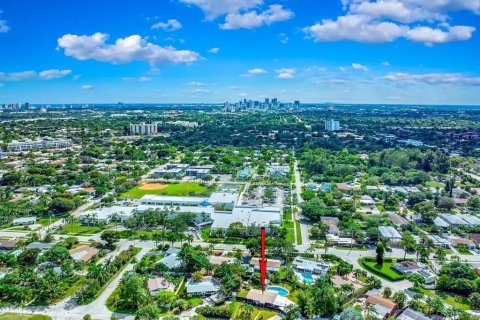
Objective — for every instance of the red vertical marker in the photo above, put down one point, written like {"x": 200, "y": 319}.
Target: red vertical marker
{"x": 263, "y": 261}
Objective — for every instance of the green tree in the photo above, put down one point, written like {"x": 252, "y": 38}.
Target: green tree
{"x": 380, "y": 252}
{"x": 148, "y": 312}
{"x": 350, "y": 314}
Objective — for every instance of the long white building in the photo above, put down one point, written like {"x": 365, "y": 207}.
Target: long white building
{"x": 144, "y": 129}
{"x": 42, "y": 143}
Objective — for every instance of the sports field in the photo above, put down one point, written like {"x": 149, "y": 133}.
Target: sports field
{"x": 171, "y": 189}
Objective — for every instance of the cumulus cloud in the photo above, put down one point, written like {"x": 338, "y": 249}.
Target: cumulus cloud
{"x": 254, "y": 72}
{"x": 432, "y": 36}
{"x": 49, "y": 74}
{"x": 214, "y": 50}
{"x": 195, "y": 84}
{"x": 253, "y": 19}
{"x": 124, "y": 50}
{"x": 433, "y": 78}
{"x": 169, "y": 25}
{"x": 356, "y": 28}
{"x": 144, "y": 79}
{"x": 358, "y": 66}
{"x": 378, "y": 21}
{"x": 286, "y": 73}
{"x": 87, "y": 87}
{"x": 215, "y": 8}
{"x": 283, "y": 38}
{"x": 4, "y": 26}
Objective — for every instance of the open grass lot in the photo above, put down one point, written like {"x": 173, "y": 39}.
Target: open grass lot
{"x": 257, "y": 313}
{"x": 75, "y": 228}
{"x": 434, "y": 184}
{"x": 173, "y": 189}
{"x": 451, "y": 299}
{"x": 385, "y": 270}
{"x": 17, "y": 316}
{"x": 299, "y": 232}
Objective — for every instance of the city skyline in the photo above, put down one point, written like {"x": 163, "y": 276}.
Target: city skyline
{"x": 194, "y": 51}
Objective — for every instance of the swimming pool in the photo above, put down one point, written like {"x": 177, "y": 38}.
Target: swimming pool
{"x": 308, "y": 278}
{"x": 280, "y": 290}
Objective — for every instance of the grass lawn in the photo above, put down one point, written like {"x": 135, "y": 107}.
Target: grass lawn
{"x": 75, "y": 228}
{"x": 290, "y": 235}
{"x": 464, "y": 252}
{"x": 385, "y": 270}
{"x": 258, "y": 313}
{"x": 451, "y": 299}
{"x": 299, "y": 232}
{"x": 17, "y": 316}
{"x": 287, "y": 216}
{"x": 46, "y": 221}
{"x": 194, "y": 301}
{"x": 173, "y": 189}
{"x": 434, "y": 184}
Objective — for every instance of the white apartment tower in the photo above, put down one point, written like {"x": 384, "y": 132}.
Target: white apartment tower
{"x": 332, "y": 125}
{"x": 144, "y": 129}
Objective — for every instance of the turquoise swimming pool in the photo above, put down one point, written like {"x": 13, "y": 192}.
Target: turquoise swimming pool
{"x": 308, "y": 278}
{"x": 280, "y": 290}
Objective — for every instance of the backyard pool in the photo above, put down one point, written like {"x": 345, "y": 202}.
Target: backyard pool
{"x": 308, "y": 278}
{"x": 280, "y": 290}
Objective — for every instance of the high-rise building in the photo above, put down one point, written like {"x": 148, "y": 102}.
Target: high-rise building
{"x": 144, "y": 129}
{"x": 332, "y": 125}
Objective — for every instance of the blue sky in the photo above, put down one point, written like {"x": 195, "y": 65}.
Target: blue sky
{"x": 345, "y": 51}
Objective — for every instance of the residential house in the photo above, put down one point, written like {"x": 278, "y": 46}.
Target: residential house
{"x": 461, "y": 241}
{"x": 310, "y": 266}
{"x": 245, "y": 174}
{"x": 24, "y": 221}
{"x": 385, "y": 308}
{"x": 8, "y": 244}
{"x": 332, "y": 223}
{"x": 273, "y": 265}
{"x": 207, "y": 286}
{"x": 155, "y": 285}
{"x": 42, "y": 246}
{"x": 217, "y": 260}
{"x": 397, "y": 220}
{"x": 410, "y": 314}
{"x": 83, "y": 253}
{"x": 171, "y": 260}
{"x": 390, "y": 233}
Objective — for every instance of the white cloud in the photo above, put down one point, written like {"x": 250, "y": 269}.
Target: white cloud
{"x": 77, "y": 76}
{"x": 200, "y": 91}
{"x": 3, "y": 26}
{"x": 356, "y": 28}
{"x": 49, "y": 74}
{"x": 253, "y": 19}
{"x": 196, "y": 84}
{"x": 124, "y": 50}
{"x": 386, "y": 64}
{"x": 257, "y": 71}
{"x": 378, "y": 21}
{"x": 214, "y": 50}
{"x": 169, "y": 26}
{"x": 343, "y": 69}
{"x": 432, "y": 36}
{"x": 283, "y": 38}
{"x": 358, "y": 66}
{"x": 53, "y": 74}
{"x": 144, "y": 79}
{"x": 433, "y": 78}
{"x": 215, "y": 8}
{"x": 87, "y": 87}
{"x": 286, "y": 73}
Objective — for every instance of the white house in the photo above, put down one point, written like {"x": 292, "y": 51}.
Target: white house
{"x": 390, "y": 233}
{"x": 207, "y": 286}
{"x": 24, "y": 221}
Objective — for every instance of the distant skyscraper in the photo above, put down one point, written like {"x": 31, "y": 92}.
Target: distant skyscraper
{"x": 332, "y": 125}
{"x": 296, "y": 104}
{"x": 144, "y": 129}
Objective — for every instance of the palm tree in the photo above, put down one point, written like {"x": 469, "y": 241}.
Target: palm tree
{"x": 189, "y": 238}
